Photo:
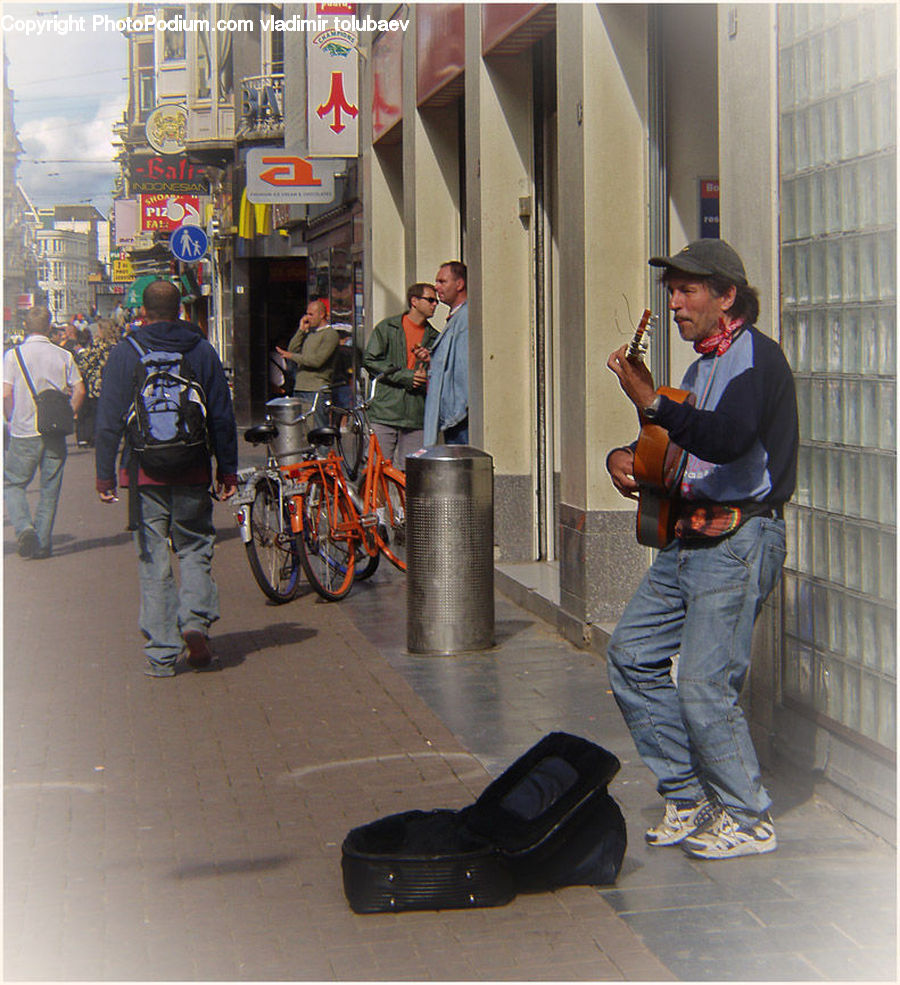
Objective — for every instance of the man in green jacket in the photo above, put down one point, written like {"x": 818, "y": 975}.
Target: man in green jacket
{"x": 314, "y": 351}
{"x": 398, "y": 409}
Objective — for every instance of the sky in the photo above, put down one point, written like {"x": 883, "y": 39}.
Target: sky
{"x": 69, "y": 89}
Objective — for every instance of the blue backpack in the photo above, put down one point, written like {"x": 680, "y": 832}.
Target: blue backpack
{"x": 166, "y": 423}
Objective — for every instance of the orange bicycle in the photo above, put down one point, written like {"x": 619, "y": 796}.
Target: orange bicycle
{"x": 268, "y": 511}
{"x": 339, "y": 526}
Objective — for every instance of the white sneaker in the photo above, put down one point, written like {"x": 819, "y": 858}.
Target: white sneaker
{"x": 680, "y": 819}
{"x": 725, "y": 837}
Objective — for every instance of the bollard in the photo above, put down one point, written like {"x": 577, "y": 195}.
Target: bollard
{"x": 449, "y": 550}
{"x": 291, "y": 442}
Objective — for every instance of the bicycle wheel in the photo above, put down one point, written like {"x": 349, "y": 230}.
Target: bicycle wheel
{"x": 327, "y": 554}
{"x": 351, "y": 439}
{"x": 390, "y": 505}
{"x": 272, "y": 548}
{"x": 366, "y": 563}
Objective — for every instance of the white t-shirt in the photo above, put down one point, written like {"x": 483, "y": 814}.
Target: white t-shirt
{"x": 48, "y": 365}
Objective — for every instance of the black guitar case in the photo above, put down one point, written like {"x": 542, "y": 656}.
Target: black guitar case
{"x": 547, "y": 821}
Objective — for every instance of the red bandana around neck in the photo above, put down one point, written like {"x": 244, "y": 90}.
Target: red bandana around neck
{"x": 720, "y": 340}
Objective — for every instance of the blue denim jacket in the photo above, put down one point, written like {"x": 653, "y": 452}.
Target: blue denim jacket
{"x": 447, "y": 401}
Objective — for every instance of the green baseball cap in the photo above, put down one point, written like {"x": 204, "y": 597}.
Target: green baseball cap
{"x": 706, "y": 257}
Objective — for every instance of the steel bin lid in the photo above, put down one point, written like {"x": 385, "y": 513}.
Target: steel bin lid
{"x": 447, "y": 470}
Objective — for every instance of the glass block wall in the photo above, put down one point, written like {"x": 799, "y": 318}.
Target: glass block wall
{"x": 837, "y": 144}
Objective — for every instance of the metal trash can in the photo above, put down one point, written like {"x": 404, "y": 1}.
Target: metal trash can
{"x": 449, "y": 550}
{"x": 288, "y": 447}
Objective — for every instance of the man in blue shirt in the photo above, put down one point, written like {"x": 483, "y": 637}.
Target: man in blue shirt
{"x": 703, "y": 591}
{"x": 447, "y": 400}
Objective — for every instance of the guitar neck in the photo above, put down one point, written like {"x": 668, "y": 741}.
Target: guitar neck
{"x": 638, "y": 345}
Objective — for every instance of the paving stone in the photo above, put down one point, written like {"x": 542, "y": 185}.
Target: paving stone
{"x": 190, "y": 829}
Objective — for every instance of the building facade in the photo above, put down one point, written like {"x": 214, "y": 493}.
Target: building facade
{"x": 18, "y": 274}
{"x": 554, "y": 148}
{"x": 63, "y": 259}
{"x": 237, "y": 84}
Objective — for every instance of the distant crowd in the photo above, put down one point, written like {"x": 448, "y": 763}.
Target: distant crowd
{"x": 90, "y": 341}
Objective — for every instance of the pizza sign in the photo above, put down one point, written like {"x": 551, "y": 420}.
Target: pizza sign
{"x": 163, "y": 213}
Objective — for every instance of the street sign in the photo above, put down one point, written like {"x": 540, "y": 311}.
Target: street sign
{"x": 167, "y": 212}
{"x": 332, "y": 99}
{"x": 189, "y": 243}
{"x": 123, "y": 271}
{"x": 166, "y": 129}
{"x": 275, "y": 175}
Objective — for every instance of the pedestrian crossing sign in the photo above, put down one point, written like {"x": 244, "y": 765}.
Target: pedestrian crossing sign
{"x": 189, "y": 243}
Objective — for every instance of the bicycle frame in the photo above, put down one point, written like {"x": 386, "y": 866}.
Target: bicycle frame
{"x": 288, "y": 479}
{"x": 365, "y": 522}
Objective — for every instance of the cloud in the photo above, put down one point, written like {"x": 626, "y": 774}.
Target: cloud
{"x": 69, "y": 91}
{"x": 68, "y": 161}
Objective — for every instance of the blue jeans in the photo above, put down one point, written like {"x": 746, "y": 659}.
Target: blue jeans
{"x": 184, "y": 514}
{"x": 23, "y": 458}
{"x": 458, "y": 434}
{"x": 699, "y": 602}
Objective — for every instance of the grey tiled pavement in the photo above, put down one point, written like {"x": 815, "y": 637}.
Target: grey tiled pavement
{"x": 190, "y": 828}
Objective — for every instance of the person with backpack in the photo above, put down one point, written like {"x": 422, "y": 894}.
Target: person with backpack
{"x": 165, "y": 391}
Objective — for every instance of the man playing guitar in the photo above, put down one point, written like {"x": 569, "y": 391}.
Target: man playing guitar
{"x": 702, "y": 593}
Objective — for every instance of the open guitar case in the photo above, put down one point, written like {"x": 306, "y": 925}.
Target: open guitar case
{"x": 547, "y": 821}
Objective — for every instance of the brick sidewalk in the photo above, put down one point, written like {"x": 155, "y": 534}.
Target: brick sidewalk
{"x": 190, "y": 828}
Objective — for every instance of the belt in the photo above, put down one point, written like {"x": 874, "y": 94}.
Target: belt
{"x": 772, "y": 511}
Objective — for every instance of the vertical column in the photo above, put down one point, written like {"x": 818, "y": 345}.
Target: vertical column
{"x": 499, "y": 190}
{"x": 749, "y": 220}
{"x": 604, "y": 278}
{"x": 383, "y": 229}
{"x": 386, "y": 234}
{"x": 437, "y": 177}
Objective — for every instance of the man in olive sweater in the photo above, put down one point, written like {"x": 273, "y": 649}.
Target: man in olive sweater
{"x": 398, "y": 409}
{"x": 313, "y": 349}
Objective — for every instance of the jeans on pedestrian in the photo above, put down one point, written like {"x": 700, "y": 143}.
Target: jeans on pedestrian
{"x": 23, "y": 458}
{"x": 458, "y": 434}
{"x": 184, "y": 515}
{"x": 397, "y": 443}
{"x": 699, "y": 602}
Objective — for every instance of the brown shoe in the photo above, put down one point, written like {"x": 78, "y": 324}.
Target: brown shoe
{"x": 199, "y": 654}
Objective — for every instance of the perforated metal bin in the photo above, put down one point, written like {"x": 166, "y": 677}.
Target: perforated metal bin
{"x": 450, "y": 550}
{"x": 291, "y": 442}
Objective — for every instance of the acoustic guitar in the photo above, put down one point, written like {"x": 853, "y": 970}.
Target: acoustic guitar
{"x": 658, "y": 462}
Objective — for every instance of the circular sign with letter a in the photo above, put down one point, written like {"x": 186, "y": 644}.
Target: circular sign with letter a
{"x": 189, "y": 243}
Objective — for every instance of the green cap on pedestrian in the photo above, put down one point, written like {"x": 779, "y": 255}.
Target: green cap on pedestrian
{"x": 706, "y": 257}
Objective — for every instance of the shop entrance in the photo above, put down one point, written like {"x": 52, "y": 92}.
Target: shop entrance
{"x": 278, "y": 295}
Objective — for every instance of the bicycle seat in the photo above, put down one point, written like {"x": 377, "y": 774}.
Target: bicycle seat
{"x": 322, "y": 436}
{"x": 261, "y": 434}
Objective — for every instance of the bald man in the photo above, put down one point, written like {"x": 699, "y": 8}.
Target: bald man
{"x": 314, "y": 350}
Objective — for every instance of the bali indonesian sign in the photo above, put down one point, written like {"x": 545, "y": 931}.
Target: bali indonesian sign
{"x": 160, "y": 175}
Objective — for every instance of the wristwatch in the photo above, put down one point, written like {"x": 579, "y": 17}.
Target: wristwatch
{"x": 652, "y": 409}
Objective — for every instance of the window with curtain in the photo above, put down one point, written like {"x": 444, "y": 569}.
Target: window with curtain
{"x": 203, "y": 65}
{"x": 173, "y": 40}
{"x": 837, "y": 67}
